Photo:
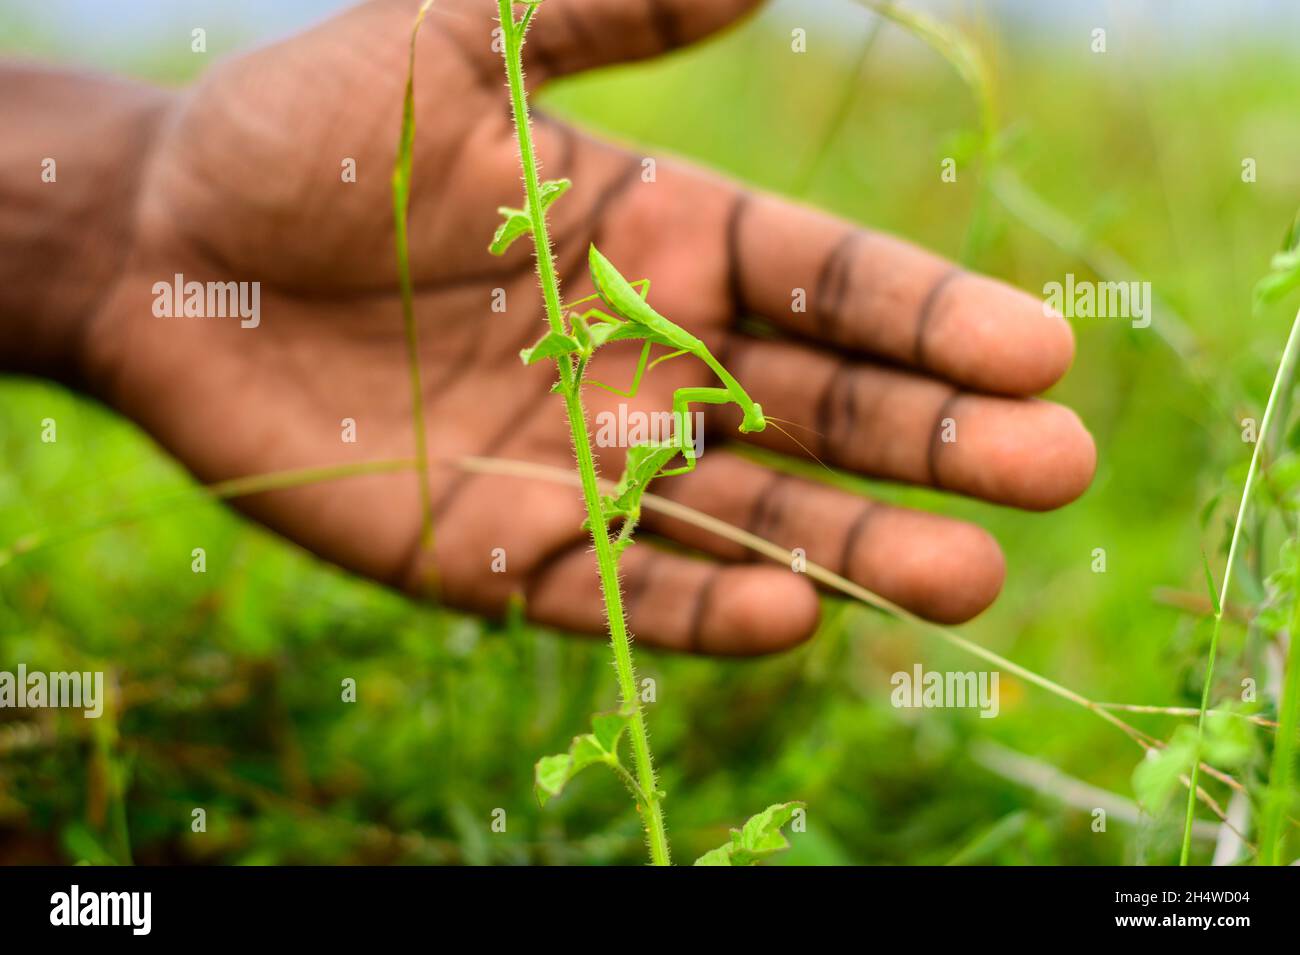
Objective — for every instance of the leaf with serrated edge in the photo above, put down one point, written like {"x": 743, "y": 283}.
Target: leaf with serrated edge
{"x": 607, "y": 728}
{"x": 518, "y": 222}
{"x": 552, "y": 773}
{"x": 644, "y": 462}
{"x": 552, "y": 189}
{"x": 516, "y": 225}
{"x": 550, "y": 345}
{"x": 720, "y": 856}
{"x": 760, "y": 837}
{"x": 1284, "y": 269}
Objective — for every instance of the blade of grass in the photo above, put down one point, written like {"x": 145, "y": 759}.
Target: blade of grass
{"x": 970, "y": 65}
{"x": 1279, "y": 794}
{"x": 1186, "y": 711}
{"x": 839, "y": 115}
{"x": 401, "y": 214}
{"x": 1282, "y": 382}
{"x": 223, "y": 490}
{"x": 963, "y": 56}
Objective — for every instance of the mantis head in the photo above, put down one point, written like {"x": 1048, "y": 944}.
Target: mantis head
{"x": 753, "y": 420}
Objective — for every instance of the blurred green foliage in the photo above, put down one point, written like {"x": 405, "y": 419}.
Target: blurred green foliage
{"x": 228, "y": 683}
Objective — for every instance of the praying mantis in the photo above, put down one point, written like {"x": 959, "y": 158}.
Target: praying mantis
{"x": 633, "y": 319}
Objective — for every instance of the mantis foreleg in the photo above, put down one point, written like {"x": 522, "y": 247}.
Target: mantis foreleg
{"x": 599, "y": 314}
{"x": 636, "y": 378}
{"x": 641, "y": 368}
{"x": 682, "y": 400}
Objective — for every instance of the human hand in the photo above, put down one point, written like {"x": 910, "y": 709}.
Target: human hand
{"x": 243, "y": 183}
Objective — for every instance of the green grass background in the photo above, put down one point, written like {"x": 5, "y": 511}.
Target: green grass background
{"x": 229, "y": 681}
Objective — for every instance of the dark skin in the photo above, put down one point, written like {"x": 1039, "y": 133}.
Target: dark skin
{"x": 239, "y": 179}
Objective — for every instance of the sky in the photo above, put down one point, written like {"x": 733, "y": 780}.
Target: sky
{"x": 90, "y": 26}
{"x": 142, "y": 20}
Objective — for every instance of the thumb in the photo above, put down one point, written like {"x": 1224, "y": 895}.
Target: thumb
{"x": 568, "y": 36}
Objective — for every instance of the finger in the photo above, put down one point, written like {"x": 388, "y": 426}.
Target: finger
{"x": 943, "y": 569}
{"x": 568, "y": 36}
{"x": 680, "y": 603}
{"x": 720, "y": 250}
{"x": 485, "y": 553}
{"x": 828, "y": 280}
{"x": 895, "y": 424}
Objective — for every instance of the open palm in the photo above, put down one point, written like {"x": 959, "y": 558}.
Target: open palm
{"x": 247, "y": 181}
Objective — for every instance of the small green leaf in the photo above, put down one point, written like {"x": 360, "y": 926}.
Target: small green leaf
{"x": 1158, "y": 776}
{"x": 552, "y": 773}
{"x": 521, "y": 25}
{"x": 582, "y": 332}
{"x": 1229, "y": 739}
{"x": 1283, "y": 276}
{"x": 759, "y": 838}
{"x": 552, "y": 189}
{"x": 516, "y": 224}
{"x": 719, "y": 856}
{"x": 606, "y": 728}
{"x": 644, "y": 462}
{"x": 1284, "y": 270}
{"x": 550, "y": 345}
{"x": 603, "y": 332}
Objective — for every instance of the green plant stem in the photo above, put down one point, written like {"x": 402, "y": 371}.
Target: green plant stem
{"x": 1281, "y": 383}
{"x": 401, "y": 214}
{"x": 223, "y": 490}
{"x": 570, "y": 387}
{"x": 618, "y": 635}
{"x": 1272, "y": 838}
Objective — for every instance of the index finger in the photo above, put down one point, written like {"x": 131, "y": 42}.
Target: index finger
{"x": 848, "y": 287}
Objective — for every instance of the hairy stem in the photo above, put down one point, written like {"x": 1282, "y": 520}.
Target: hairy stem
{"x": 570, "y": 387}
{"x": 223, "y": 490}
